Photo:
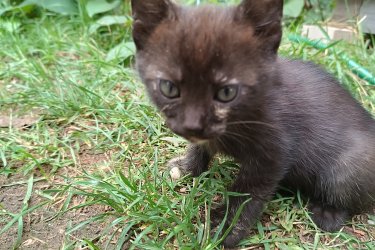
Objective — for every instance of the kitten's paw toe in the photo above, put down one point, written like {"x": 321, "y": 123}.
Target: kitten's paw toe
{"x": 216, "y": 219}
{"x": 175, "y": 173}
{"x": 328, "y": 218}
{"x": 217, "y": 216}
{"x": 177, "y": 168}
{"x": 238, "y": 233}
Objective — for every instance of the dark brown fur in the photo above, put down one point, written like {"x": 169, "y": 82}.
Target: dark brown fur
{"x": 291, "y": 123}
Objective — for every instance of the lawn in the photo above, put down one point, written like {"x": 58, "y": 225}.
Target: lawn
{"x": 83, "y": 151}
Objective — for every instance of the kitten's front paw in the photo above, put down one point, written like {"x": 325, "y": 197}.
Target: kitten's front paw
{"x": 327, "y": 218}
{"x": 237, "y": 233}
{"x": 177, "y": 168}
{"x": 235, "y": 236}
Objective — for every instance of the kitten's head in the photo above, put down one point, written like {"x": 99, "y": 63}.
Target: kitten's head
{"x": 205, "y": 67}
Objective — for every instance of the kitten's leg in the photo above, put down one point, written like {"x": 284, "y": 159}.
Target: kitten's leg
{"x": 328, "y": 218}
{"x": 194, "y": 162}
{"x": 260, "y": 180}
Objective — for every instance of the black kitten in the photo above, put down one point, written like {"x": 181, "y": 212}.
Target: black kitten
{"x": 215, "y": 74}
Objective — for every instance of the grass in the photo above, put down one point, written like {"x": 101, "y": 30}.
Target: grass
{"x": 93, "y": 145}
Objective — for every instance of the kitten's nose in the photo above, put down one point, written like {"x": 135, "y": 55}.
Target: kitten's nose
{"x": 193, "y": 122}
{"x": 193, "y": 127}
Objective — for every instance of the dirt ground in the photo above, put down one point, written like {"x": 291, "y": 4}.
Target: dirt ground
{"x": 41, "y": 229}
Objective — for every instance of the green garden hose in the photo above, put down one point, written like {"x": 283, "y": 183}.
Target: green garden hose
{"x": 354, "y": 67}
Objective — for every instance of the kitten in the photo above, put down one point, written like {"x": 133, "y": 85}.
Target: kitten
{"x": 214, "y": 73}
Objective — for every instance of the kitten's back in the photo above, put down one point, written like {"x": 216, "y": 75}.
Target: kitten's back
{"x": 333, "y": 136}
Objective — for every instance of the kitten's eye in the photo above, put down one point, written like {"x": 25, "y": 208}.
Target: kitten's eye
{"x": 227, "y": 93}
{"x": 169, "y": 89}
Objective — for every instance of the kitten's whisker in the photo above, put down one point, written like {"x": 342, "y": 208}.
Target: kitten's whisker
{"x": 240, "y": 137}
{"x": 252, "y": 123}
{"x": 225, "y": 145}
{"x": 168, "y": 106}
{"x": 269, "y": 133}
{"x": 222, "y": 144}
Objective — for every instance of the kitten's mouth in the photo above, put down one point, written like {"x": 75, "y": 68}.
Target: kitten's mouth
{"x": 198, "y": 136}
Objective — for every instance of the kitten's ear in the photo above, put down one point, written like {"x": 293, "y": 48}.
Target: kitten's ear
{"x": 265, "y": 17}
{"x": 147, "y": 15}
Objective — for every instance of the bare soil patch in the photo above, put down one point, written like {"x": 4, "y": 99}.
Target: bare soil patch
{"x": 42, "y": 229}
